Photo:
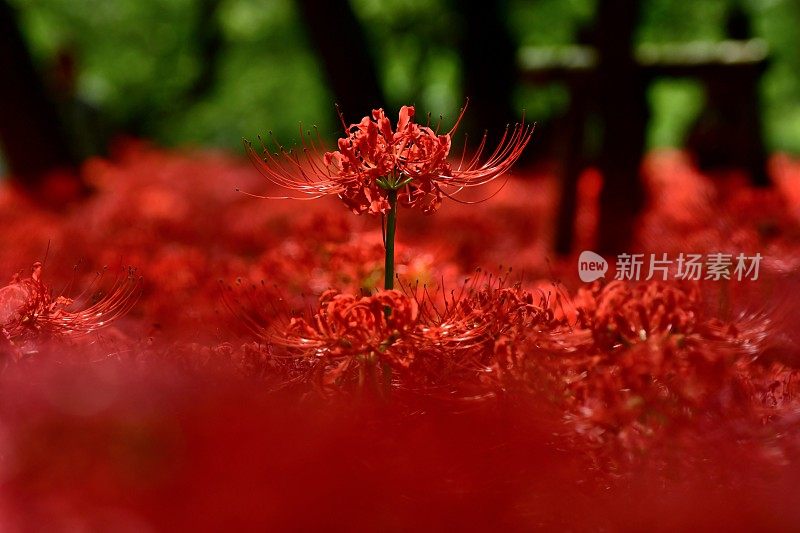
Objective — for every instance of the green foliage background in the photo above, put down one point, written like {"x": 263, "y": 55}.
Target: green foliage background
{"x": 138, "y": 58}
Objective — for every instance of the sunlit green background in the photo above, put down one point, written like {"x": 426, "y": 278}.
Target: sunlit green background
{"x": 138, "y": 58}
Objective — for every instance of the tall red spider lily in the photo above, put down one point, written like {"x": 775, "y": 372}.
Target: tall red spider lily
{"x": 376, "y": 168}
{"x": 29, "y": 311}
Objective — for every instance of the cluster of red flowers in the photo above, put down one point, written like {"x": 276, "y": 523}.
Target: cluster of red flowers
{"x": 491, "y": 386}
{"x": 658, "y": 360}
{"x": 625, "y": 363}
{"x": 404, "y": 339}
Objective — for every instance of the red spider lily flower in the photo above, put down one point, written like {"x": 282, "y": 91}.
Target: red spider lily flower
{"x": 375, "y": 168}
{"x": 426, "y": 339}
{"x": 622, "y": 315}
{"x": 518, "y": 326}
{"x": 373, "y": 159}
{"x": 657, "y": 363}
{"x": 350, "y": 340}
{"x": 29, "y": 311}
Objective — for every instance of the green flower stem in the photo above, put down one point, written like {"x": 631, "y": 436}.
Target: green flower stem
{"x": 391, "y": 185}
{"x": 391, "y": 227}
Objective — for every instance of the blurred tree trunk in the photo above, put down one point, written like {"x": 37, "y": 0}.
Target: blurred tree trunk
{"x": 33, "y": 138}
{"x": 208, "y": 42}
{"x": 572, "y": 152}
{"x": 339, "y": 40}
{"x": 623, "y": 112}
{"x": 489, "y": 56}
{"x": 729, "y": 131}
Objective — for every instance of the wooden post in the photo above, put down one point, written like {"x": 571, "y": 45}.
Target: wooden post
{"x": 340, "y": 42}
{"x": 623, "y": 114}
{"x": 489, "y": 69}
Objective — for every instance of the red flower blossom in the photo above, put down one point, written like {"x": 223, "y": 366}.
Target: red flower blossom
{"x": 619, "y": 314}
{"x": 373, "y": 159}
{"x": 28, "y": 310}
{"x": 349, "y": 339}
{"x": 425, "y": 339}
{"x": 658, "y": 362}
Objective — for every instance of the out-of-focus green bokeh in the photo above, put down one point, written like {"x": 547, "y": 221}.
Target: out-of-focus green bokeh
{"x": 138, "y": 58}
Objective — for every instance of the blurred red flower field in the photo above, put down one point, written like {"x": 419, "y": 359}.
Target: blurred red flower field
{"x": 256, "y": 380}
